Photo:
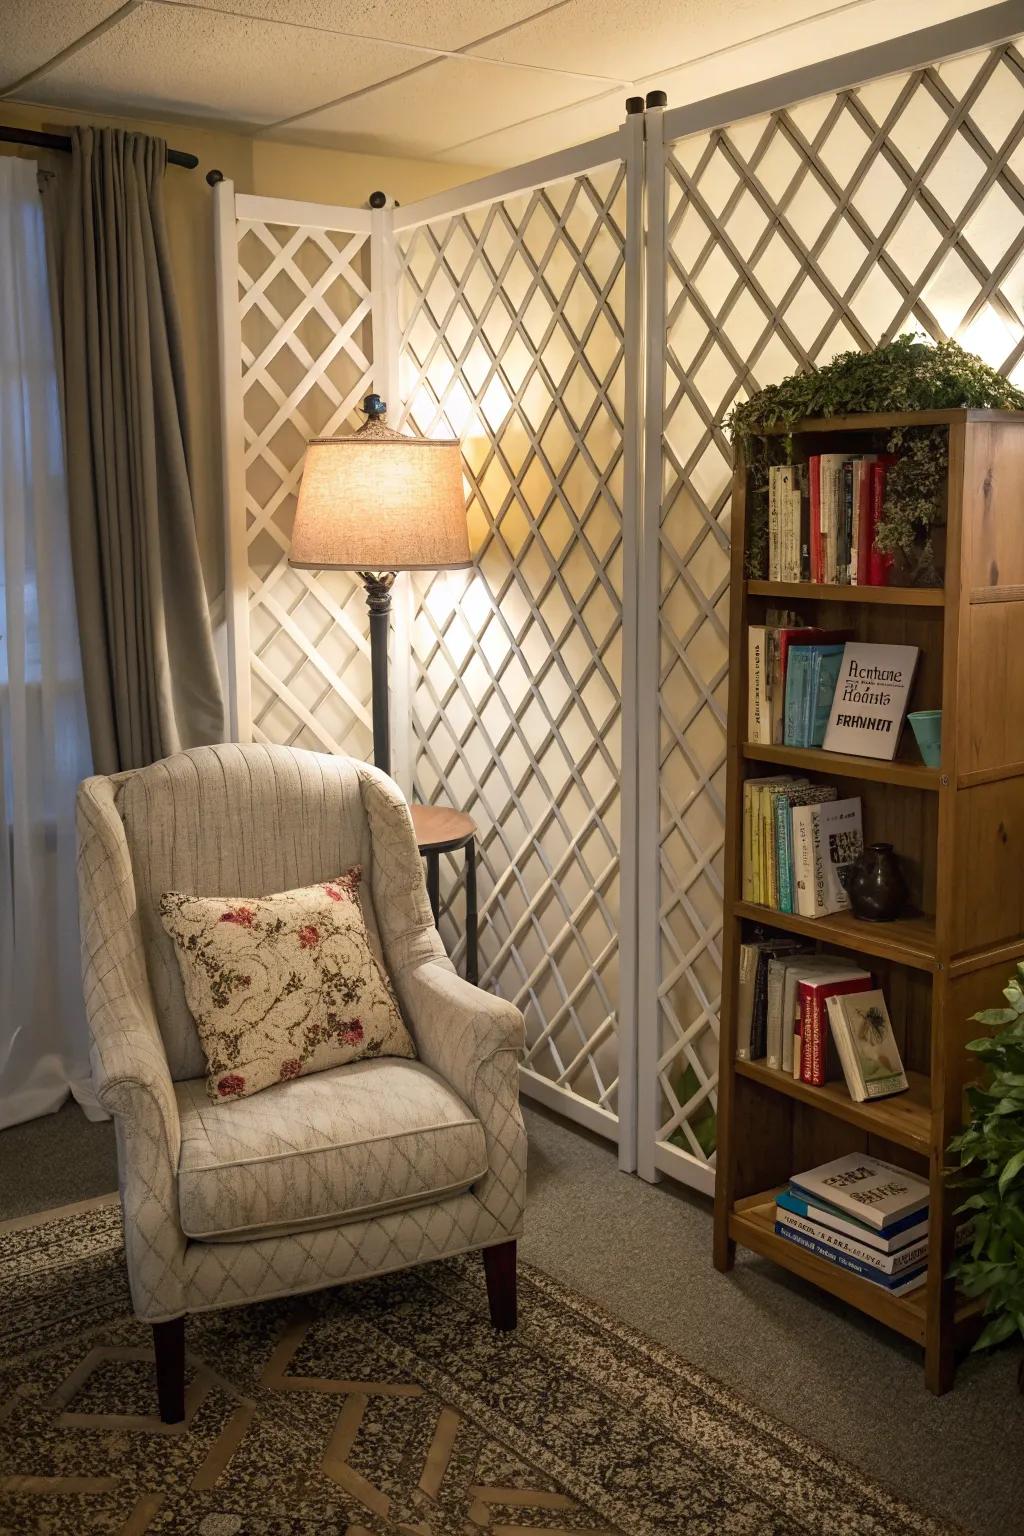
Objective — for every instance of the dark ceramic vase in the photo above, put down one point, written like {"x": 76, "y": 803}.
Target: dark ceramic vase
{"x": 874, "y": 884}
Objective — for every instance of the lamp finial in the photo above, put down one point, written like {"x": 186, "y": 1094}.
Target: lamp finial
{"x": 374, "y": 408}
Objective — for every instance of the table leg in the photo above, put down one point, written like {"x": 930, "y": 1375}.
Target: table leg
{"x": 434, "y": 883}
{"x": 472, "y": 963}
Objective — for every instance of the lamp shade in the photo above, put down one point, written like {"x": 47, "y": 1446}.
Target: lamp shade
{"x": 380, "y": 501}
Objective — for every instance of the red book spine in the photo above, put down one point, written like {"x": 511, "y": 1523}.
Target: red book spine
{"x": 865, "y": 528}
{"x": 879, "y": 564}
{"x": 814, "y": 1028}
{"x": 805, "y": 1034}
{"x": 814, "y": 481}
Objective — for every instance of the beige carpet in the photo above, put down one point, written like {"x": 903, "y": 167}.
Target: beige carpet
{"x": 386, "y": 1407}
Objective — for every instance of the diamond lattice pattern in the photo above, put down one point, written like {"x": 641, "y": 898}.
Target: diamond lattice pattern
{"x": 306, "y": 364}
{"x": 512, "y": 321}
{"x": 839, "y": 223}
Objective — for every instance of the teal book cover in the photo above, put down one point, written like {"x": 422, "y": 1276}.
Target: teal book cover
{"x": 784, "y": 850}
{"x": 797, "y": 675}
{"x": 826, "y": 666}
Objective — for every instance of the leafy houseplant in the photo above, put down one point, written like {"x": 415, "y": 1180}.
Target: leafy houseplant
{"x": 907, "y": 374}
{"x": 991, "y": 1150}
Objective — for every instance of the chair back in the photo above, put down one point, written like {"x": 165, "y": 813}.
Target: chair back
{"x": 234, "y": 820}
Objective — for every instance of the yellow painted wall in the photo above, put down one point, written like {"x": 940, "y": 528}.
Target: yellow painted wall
{"x": 259, "y": 166}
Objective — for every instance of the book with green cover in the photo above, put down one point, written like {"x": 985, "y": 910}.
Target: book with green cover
{"x": 799, "y": 794}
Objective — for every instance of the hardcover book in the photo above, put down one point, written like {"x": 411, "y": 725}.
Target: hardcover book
{"x": 826, "y": 836}
{"x": 866, "y": 1046}
{"x": 778, "y": 970}
{"x": 871, "y": 697}
{"x": 751, "y": 842}
{"x": 911, "y": 1256}
{"x": 817, "y": 1063}
{"x": 899, "y": 1285}
{"x": 901, "y": 1233}
{"x": 797, "y": 794}
{"x": 874, "y": 1191}
{"x": 752, "y": 995}
{"x": 811, "y": 674}
{"x": 810, "y": 966}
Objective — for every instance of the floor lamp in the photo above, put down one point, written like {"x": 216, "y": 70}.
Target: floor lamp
{"x": 379, "y": 502}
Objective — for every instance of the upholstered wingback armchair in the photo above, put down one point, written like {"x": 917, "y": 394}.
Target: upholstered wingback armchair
{"x": 361, "y": 1169}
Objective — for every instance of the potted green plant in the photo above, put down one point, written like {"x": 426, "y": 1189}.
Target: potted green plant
{"x": 991, "y": 1153}
{"x": 908, "y": 374}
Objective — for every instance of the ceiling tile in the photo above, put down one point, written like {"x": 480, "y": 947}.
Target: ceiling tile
{"x": 602, "y": 36}
{"x": 426, "y": 23}
{"x": 442, "y": 104}
{"x": 171, "y": 60}
{"x": 820, "y": 38}
{"x": 536, "y": 136}
{"x": 32, "y": 34}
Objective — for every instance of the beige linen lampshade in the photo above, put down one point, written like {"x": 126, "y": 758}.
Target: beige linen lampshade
{"x": 380, "y": 501}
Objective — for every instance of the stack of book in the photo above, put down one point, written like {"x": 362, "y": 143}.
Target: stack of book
{"x": 816, "y": 688}
{"x": 771, "y": 650}
{"x": 816, "y": 1017}
{"x": 863, "y": 1215}
{"x": 796, "y": 837}
{"x": 822, "y": 518}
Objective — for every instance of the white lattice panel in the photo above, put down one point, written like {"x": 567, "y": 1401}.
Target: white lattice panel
{"x": 836, "y": 224}
{"x": 513, "y": 321}
{"x": 306, "y": 362}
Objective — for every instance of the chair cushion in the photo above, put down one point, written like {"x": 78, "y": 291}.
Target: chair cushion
{"x": 282, "y": 985}
{"x": 376, "y": 1135}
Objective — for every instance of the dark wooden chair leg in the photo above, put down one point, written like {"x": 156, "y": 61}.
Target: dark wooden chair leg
{"x": 500, "y": 1269}
{"x": 169, "y": 1348}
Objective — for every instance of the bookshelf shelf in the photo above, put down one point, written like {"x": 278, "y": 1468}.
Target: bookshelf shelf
{"x": 814, "y": 760}
{"x": 906, "y": 1118}
{"x": 752, "y": 1223}
{"x": 960, "y": 828}
{"x": 908, "y": 940}
{"x": 820, "y": 592}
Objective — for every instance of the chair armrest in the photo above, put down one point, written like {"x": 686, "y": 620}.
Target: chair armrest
{"x": 129, "y": 1066}
{"x": 457, "y": 1027}
{"x": 130, "y": 1074}
{"x": 473, "y": 1039}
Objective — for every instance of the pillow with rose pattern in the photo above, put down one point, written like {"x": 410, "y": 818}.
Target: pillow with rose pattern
{"x": 282, "y": 985}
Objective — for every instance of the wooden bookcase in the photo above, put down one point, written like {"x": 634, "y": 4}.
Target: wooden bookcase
{"x": 960, "y": 831}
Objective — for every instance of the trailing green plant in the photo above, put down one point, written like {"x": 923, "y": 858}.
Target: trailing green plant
{"x": 907, "y": 374}
{"x": 915, "y": 500}
{"x": 991, "y": 1152}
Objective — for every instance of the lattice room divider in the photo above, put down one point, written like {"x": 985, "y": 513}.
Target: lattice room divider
{"x": 507, "y": 321}
{"x": 775, "y": 243}
{"x": 583, "y": 324}
{"x": 519, "y": 321}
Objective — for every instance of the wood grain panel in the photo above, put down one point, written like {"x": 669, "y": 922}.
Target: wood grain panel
{"x": 993, "y": 481}
{"x": 989, "y": 865}
{"x": 991, "y": 707}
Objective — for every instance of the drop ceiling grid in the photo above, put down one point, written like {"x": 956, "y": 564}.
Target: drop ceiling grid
{"x": 482, "y": 81}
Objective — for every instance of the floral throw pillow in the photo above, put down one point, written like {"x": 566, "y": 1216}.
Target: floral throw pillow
{"x": 282, "y": 985}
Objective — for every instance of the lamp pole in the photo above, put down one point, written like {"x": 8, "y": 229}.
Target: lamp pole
{"x": 378, "y": 586}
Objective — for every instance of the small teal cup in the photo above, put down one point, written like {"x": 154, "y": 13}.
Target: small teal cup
{"x": 927, "y": 727}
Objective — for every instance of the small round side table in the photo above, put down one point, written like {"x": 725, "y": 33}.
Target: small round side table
{"x": 439, "y": 830}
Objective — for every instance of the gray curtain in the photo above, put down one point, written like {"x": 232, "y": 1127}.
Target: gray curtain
{"x": 151, "y": 679}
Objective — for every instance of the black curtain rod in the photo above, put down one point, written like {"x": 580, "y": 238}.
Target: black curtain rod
{"x": 59, "y": 141}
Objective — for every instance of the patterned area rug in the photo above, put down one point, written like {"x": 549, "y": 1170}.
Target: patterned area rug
{"x": 390, "y": 1406}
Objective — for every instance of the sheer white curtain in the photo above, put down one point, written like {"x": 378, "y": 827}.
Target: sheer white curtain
{"x": 44, "y": 747}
